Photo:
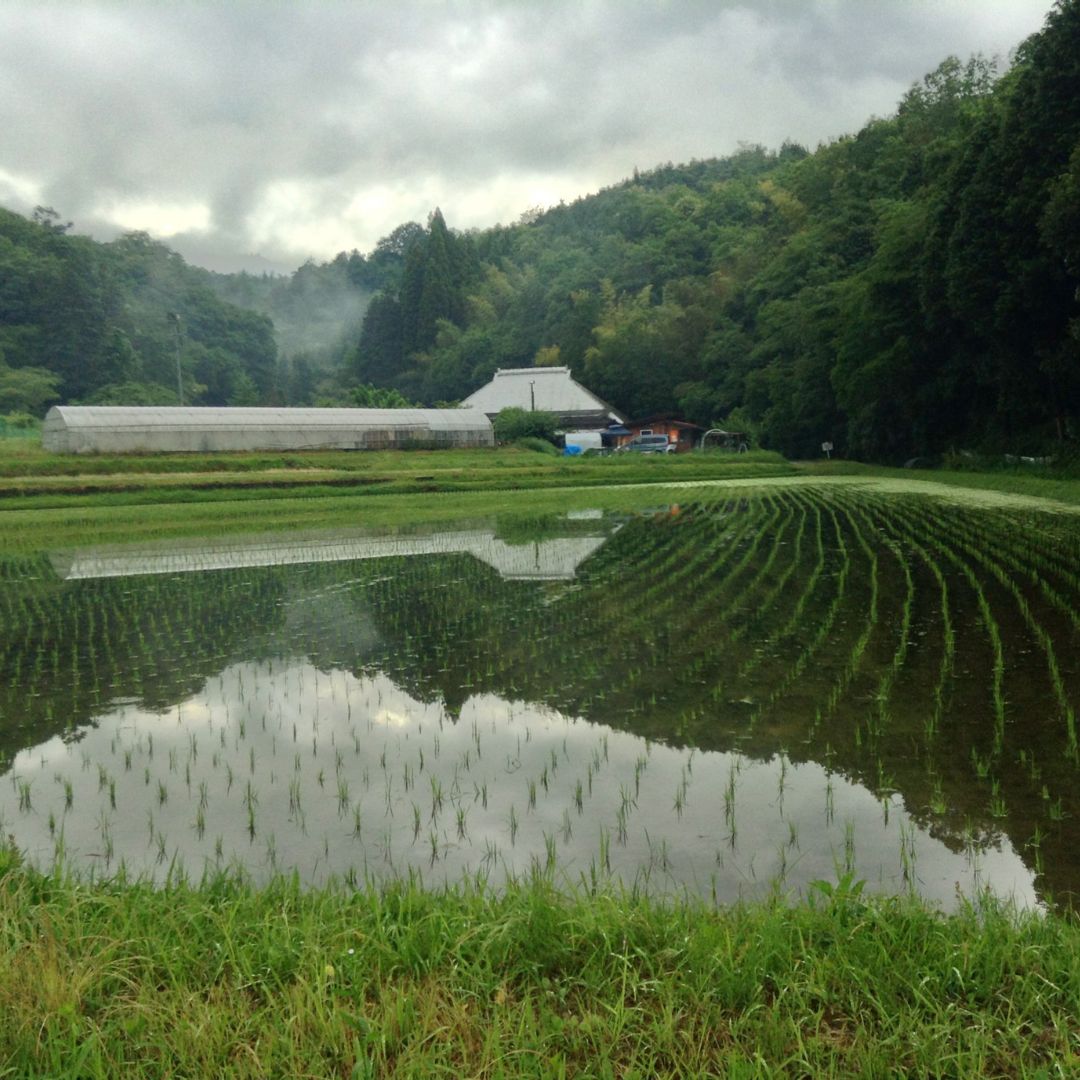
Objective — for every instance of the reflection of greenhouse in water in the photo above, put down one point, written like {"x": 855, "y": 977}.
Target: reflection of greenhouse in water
{"x": 555, "y": 559}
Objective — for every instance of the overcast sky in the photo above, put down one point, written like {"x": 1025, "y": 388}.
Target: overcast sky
{"x": 259, "y": 134}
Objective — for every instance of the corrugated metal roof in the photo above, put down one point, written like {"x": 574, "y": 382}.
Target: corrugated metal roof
{"x": 546, "y": 389}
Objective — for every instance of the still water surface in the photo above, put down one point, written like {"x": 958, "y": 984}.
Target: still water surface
{"x": 725, "y": 698}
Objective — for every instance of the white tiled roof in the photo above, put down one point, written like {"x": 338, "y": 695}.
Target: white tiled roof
{"x": 546, "y": 389}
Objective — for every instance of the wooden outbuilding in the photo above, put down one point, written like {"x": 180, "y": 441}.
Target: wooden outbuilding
{"x": 683, "y": 435}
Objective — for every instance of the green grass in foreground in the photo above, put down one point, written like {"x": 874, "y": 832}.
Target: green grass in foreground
{"x": 223, "y": 979}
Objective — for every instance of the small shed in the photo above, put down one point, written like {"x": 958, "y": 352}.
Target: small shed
{"x": 544, "y": 389}
{"x": 680, "y": 432}
{"x": 82, "y": 429}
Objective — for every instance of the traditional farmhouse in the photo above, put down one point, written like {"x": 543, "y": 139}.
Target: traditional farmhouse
{"x": 544, "y": 389}
{"x": 75, "y": 429}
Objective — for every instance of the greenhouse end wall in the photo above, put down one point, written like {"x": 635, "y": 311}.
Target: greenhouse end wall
{"x": 72, "y": 429}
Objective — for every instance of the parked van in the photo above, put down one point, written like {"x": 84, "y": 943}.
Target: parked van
{"x": 649, "y": 444}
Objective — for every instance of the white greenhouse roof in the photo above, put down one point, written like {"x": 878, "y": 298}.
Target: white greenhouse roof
{"x": 546, "y": 389}
{"x": 162, "y": 416}
{"x": 78, "y": 428}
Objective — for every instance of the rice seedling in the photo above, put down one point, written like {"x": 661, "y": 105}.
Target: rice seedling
{"x": 436, "y": 798}
{"x": 605, "y": 850}
{"x": 849, "y": 847}
{"x": 567, "y": 828}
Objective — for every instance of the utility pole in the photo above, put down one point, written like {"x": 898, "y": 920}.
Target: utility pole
{"x": 532, "y": 395}
{"x": 175, "y": 318}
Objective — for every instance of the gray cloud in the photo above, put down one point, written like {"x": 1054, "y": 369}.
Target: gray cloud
{"x": 296, "y": 130}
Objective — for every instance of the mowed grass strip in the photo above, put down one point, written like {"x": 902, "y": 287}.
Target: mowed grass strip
{"x": 224, "y": 978}
{"x": 33, "y": 474}
{"x": 1062, "y": 485}
{"x": 26, "y": 457}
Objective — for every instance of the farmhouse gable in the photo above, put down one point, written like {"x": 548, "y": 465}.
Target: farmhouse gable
{"x": 544, "y": 389}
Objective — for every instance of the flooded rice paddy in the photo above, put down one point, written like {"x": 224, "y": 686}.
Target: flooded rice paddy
{"x": 726, "y": 697}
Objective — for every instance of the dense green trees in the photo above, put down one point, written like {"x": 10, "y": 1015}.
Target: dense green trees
{"x": 81, "y": 321}
{"x": 410, "y": 335}
{"x": 513, "y": 423}
{"x": 27, "y": 390}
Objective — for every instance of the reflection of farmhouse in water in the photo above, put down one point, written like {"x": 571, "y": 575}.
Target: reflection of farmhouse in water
{"x": 552, "y": 559}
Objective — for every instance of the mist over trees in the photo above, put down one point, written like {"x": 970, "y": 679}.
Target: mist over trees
{"x": 901, "y": 291}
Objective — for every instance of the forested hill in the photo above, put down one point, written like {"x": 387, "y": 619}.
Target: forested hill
{"x": 83, "y": 321}
{"x": 898, "y": 292}
{"x": 910, "y": 288}
{"x": 96, "y": 323}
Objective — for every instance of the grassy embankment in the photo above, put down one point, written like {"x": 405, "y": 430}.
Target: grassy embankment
{"x": 31, "y": 477}
{"x": 1040, "y": 483}
{"x": 222, "y": 979}
{"x": 49, "y": 500}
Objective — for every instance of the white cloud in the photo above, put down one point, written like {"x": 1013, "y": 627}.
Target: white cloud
{"x": 19, "y": 190}
{"x": 163, "y": 219}
{"x": 323, "y": 216}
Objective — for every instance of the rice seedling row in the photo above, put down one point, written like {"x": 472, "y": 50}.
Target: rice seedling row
{"x": 998, "y": 572}
{"x": 970, "y": 559}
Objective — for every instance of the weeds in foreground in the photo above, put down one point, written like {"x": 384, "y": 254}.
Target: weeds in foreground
{"x": 225, "y": 978}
